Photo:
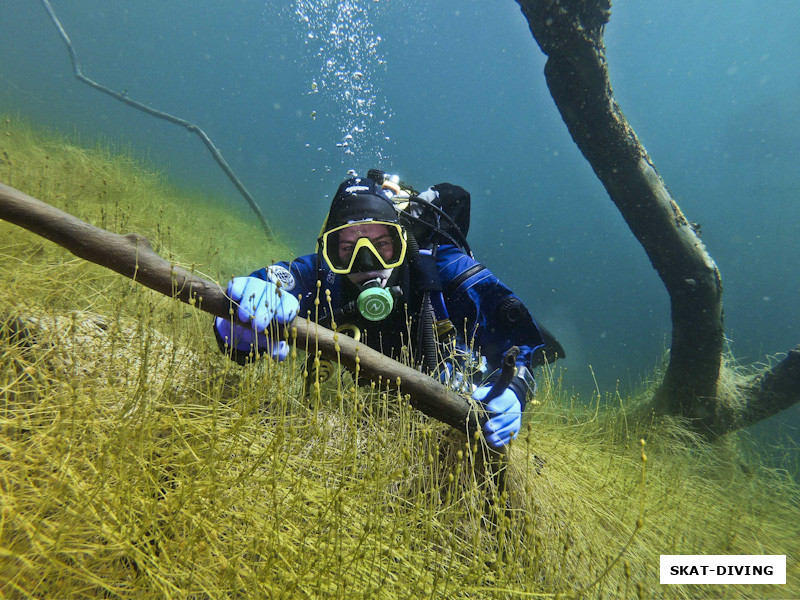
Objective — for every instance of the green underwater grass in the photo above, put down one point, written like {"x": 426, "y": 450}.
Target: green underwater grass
{"x": 137, "y": 462}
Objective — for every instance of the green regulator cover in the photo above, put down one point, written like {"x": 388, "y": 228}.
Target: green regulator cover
{"x": 375, "y": 303}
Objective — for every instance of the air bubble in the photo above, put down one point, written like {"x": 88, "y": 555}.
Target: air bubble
{"x": 348, "y": 44}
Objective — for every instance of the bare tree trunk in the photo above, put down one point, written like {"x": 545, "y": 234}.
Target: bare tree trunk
{"x": 570, "y": 33}
{"x": 132, "y": 256}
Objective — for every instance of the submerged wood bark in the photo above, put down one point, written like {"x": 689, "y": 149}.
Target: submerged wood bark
{"x": 774, "y": 390}
{"x": 570, "y": 33}
{"x": 132, "y": 256}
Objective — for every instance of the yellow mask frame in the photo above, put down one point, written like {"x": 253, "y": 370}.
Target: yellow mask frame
{"x": 331, "y": 250}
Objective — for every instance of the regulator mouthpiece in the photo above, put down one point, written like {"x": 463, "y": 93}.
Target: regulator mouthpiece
{"x": 374, "y": 302}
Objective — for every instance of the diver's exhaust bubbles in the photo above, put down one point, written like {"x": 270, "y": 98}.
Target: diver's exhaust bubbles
{"x": 343, "y": 39}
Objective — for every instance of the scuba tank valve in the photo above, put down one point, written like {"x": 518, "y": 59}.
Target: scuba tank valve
{"x": 390, "y": 184}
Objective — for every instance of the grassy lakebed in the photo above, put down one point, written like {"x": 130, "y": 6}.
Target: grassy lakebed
{"x": 138, "y": 462}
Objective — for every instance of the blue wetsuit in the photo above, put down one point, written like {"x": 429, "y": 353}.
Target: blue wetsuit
{"x": 488, "y": 317}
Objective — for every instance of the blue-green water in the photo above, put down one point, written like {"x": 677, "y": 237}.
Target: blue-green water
{"x": 296, "y": 93}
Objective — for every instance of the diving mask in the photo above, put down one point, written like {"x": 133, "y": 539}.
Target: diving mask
{"x": 364, "y": 246}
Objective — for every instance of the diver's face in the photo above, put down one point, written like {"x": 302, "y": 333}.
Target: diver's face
{"x": 379, "y": 237}
{"x": 376, "y": 233}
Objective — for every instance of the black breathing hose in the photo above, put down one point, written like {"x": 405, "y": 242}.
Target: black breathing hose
{"x": 426, "y": 342}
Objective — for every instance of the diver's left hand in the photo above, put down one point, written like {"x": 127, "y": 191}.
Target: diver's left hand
{"x": 504, "y": 416}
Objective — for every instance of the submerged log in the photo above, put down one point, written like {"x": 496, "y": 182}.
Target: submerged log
{"x": 773, "y": 391}
{"x": 132, "y": 256}
{"x": 570, "y": 33}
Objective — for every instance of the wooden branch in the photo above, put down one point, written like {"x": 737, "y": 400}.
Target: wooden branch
{"x": 570, "y": 33}
{"x": 773, "y": 391}
{"x": 191, "y": 127}
{"x": 132, "y": 256}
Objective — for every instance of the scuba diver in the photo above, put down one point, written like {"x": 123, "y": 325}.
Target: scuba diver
{"x": 393, "y": 268}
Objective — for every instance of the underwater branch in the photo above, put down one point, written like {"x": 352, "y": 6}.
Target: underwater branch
{"x": 191, "y": 127}
{"x": 570, "y": 33}
{"x": 131, "y": 255}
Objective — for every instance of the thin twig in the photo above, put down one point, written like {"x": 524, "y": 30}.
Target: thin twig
{"x": 123, "y": 97}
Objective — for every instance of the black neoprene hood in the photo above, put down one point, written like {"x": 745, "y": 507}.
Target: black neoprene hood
{"x": 358, "y": 199}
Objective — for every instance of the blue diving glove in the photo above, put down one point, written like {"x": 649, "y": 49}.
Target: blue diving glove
{"x": 259, "y": 304}
{"x": 504, "y": 416}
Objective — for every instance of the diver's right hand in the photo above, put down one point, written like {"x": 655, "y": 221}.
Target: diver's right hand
{"x": 260, "y": 301}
